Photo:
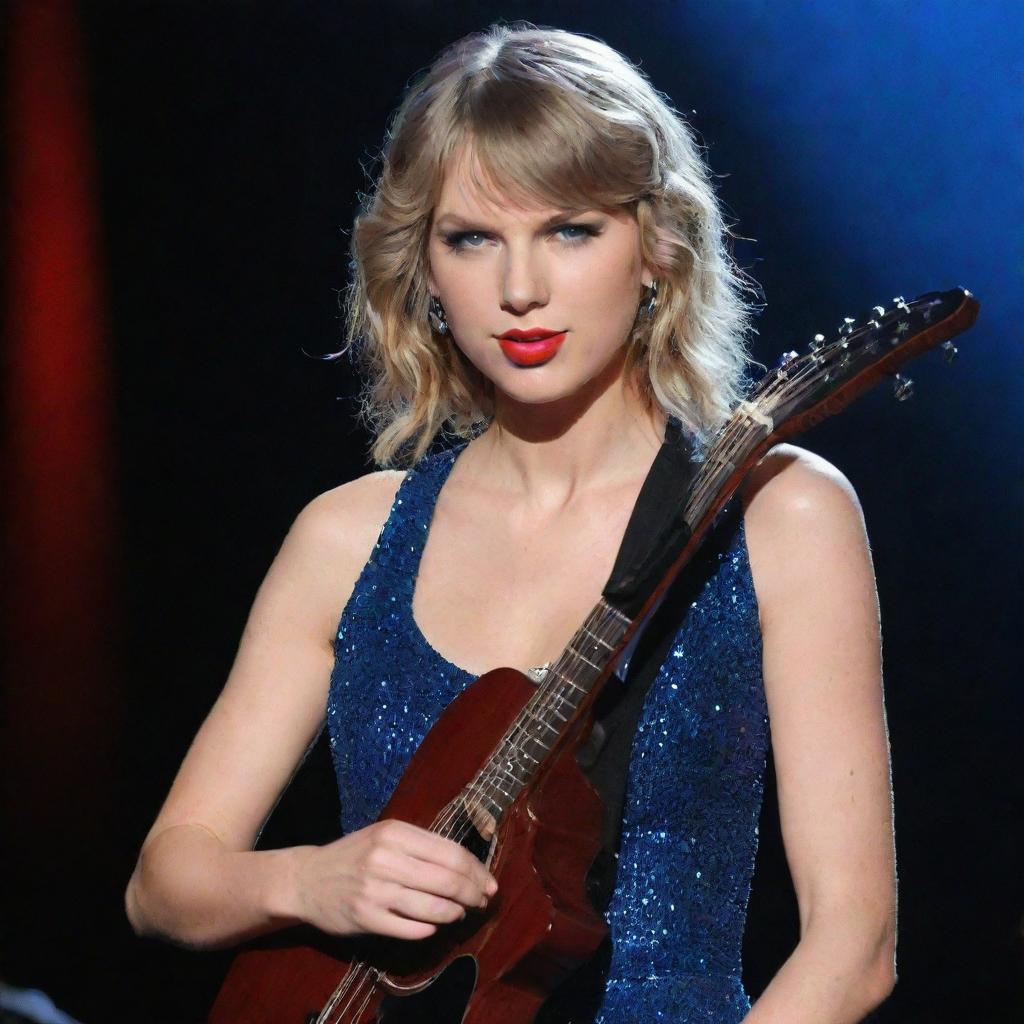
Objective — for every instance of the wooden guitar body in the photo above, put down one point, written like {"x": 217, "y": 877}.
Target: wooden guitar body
{"x": 539, "y": 926}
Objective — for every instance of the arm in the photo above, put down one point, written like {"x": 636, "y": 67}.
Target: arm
{"x": 198, "y": 882}
{"x": 823, "y": 684}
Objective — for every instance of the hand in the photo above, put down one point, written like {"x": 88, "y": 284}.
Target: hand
{"x": 390, "y": 878}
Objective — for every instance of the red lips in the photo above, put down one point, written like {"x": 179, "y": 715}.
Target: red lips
{"x": 533, "y": 334}
{"x": 532, "y": 347}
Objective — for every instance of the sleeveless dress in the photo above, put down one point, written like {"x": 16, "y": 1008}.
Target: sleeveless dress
{"x": 695, "y": 780}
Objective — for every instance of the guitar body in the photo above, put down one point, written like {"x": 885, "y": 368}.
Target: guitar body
{"x": 496, "y": 965}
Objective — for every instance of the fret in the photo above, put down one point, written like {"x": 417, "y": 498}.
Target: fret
{"x": 509, "y": 763}
{"x": 547, "y": 725}
{"x": 585, "y": 659}
{"x": 613, "y": 614}
{"x": 544, "y": 748}
{"x": 559, "y": 695}
{"x": 565, "y": 679}
{"x": 603, "y": 643}
{"x": 522, "y": 750}
{"x": 478, "y": 802}
{"x": 491, "y": 782}
{"x": 509, "y": 766}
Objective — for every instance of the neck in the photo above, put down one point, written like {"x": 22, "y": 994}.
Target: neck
{"x": 600, "y": 437}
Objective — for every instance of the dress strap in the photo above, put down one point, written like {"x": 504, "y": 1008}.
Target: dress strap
{"x": 403, "y": 536}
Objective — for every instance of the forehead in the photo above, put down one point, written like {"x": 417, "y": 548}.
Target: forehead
{"x": 470, "y": 193}
{"x": 467, "y": 190}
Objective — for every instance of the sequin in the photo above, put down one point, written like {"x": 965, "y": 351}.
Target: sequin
{"x": 695, "y": 779}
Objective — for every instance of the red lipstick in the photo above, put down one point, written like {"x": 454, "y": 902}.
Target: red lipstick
{"x": 532, "y": 347}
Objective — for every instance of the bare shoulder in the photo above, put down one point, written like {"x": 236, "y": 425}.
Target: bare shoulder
{"x": 803, "y": 520}
{"x": 333, "y": 535}
{"x": 347, "y": 519}
{"x": 794, "y": 481}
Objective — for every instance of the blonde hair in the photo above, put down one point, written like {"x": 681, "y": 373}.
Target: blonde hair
{"x": 556, "y": 118}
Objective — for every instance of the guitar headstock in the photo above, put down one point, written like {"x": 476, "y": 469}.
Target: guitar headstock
{"x": 833, "y": 372}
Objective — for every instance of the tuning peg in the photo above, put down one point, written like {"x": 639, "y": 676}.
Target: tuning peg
{"x": 902, "y": 388}
{"x": 818, "y": 341}
{"x": 846, "y": 327}
{"x": 880, "y": 310}
{"x": 949, "y": 351}
{"x": 900, "y": 303}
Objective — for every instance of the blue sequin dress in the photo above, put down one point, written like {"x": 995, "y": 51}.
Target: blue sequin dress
{"x": 696, "y": 771}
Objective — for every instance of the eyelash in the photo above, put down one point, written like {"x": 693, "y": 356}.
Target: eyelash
{"x": 455, "y": 239}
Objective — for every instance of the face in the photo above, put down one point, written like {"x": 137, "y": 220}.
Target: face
{"x": 498, "y": 267}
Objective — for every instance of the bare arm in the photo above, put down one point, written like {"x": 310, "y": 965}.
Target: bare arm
{"x": 823, "y": 684}
{"x": 198, "y": 881}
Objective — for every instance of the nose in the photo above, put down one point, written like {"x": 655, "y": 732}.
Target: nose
{"x": 524, "y": 283}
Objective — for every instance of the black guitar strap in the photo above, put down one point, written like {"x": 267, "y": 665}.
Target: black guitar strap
{"x": 606, "y": 756}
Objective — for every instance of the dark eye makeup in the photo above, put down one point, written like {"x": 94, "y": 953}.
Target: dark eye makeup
{"x": 456, "y": 239}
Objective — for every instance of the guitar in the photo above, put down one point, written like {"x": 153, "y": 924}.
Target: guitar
{"x": 498, "y": 773}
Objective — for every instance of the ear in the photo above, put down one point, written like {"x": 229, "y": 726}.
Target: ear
{"x": 647, "y": 274}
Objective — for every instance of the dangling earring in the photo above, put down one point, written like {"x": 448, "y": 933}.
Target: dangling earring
{"x": 437, "y": 316}
{"x": 648, "y": 306}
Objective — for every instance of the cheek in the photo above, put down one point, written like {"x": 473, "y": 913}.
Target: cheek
{"x": 607, "y": 288}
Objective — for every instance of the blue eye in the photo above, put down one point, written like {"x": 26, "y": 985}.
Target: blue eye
{"x": 588, "y": 231}
{"x": 457, "y": 241}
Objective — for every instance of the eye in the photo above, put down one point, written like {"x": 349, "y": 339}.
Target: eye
{"x": 587, "y": 231}
{"x": 459, "y": 241}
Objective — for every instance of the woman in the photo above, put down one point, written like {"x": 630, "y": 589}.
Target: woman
{"x": 542, "y": 269}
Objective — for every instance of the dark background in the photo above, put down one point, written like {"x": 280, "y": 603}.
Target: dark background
{"x": 863, "y": 149}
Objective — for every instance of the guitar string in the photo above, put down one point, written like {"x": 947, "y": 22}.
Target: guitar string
{"x": 510, "y": 748}
{"x": 538, "y": 703}
{"x": 535, "y": 710}
{"x": 354, "y": 978}
{"x": 363, "y": 972}
{"x": 351, "y": 975}
{"x": 353, "y": 1017}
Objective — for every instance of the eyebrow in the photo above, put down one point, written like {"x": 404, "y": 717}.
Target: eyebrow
{"x": 463, "y": 222}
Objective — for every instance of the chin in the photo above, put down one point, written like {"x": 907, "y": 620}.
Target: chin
{"x": 537, "y": 387}
{"x": 557, "y": 379}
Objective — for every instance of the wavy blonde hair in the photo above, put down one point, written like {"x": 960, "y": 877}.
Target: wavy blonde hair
{"x": 553, "y": 118}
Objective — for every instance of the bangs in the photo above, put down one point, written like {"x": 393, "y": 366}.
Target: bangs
{"x": 523, "y": 140}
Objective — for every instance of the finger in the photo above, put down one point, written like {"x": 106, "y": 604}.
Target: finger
{"x": 428, "y": 846}
{"x": 435, "y": 880}
{"x": 424, "y": 907}
{"x": 382, "y": 921}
